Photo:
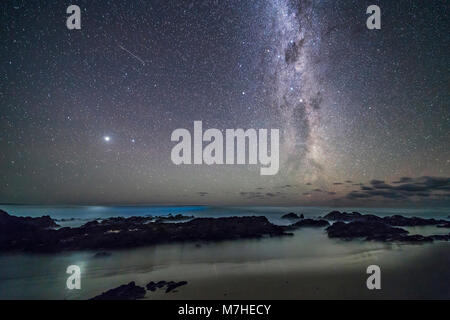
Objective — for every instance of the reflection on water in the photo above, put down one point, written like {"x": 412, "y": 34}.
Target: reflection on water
{"x": 426, "y": 230}
{"x": 306, "y": 265}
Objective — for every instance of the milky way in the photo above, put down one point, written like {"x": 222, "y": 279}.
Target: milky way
{"x": 86, "y": 115}
{"x": 297, "y": 91}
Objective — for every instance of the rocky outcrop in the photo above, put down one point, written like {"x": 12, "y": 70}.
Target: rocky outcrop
{"x": 171, "y": 286}
{"x": 102, "y": 254}
{"x": 117, "y": 233}
{"x": 377, "y": 231}
{"x": 153, "y": 286}
{"x": 396, "y": 220}
{"x": 125, "y": 292}
{"x": 291, "y": 216}
{"x": 361, "y": 229}
{"x": 10, "y": 224}
{"x": 401, "y": 221}
{"x": 308, "y": 223}
{"x": 342, "y": 216}
{"x": 25, "y": 230}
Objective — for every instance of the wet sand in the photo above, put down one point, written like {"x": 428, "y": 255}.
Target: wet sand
{"x": 308, "y": 265}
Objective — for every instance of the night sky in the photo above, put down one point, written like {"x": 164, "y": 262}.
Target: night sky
{"x": 86, "y": 115}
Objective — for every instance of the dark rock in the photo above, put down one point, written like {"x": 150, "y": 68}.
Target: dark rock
{"x": 125, "y": 292}
{"x": 377, "y": 231}
{"x": 90, "y": 224}
{"x": 310, "y": 223}
{"x": 401, "y": 221}
{"x": 396, "y": 220}
{"x": 178, "y": 217}
{"x": 173, "y": 285}
{"x": 152, "y": 286}
{"x": 170, "y": 286}
{"x": 102, "y": 254}
{"x": 27, "y": 231}
{"x": 302, "y": 216}
{"x": 416, "y": 238}
{"x": 291, "y": 216}
{"x": 115, "y": 233}
{"x": 10, "y": 223}
{"x": 344, "y": 216}
{"x": 360, "y": 229}
{"x": 65, "y": 220}
{"x": 441, "y": 237}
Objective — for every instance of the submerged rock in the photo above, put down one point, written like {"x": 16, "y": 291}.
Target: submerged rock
{"x": 152, "y": 286}
{"x": 170, "y": 286}
{"x": 173, "y": 285}
{"x": 102, "y": 254}
{"x": 125, "y": 292}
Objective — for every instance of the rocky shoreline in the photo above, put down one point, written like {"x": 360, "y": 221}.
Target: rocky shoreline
{"x": 40, "y": 234}
{"x": 370, "y": 227}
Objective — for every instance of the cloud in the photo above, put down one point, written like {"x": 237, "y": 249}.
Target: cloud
{"x": 260, "y": 195}
{"x": 357, "y": 195}
{"x": 285, "y": 186}
{"x": 405, "y": 188}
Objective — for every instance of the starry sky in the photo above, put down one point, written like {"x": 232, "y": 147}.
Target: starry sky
{"x": 86, "y": 115}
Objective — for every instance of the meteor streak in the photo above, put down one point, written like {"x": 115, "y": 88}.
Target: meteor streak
{"x": 135, "y": 56}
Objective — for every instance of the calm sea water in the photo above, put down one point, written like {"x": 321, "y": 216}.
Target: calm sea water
{"x": 306, "y": 265}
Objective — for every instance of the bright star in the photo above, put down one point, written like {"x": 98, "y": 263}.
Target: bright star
{"x": 107, "y": 138}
